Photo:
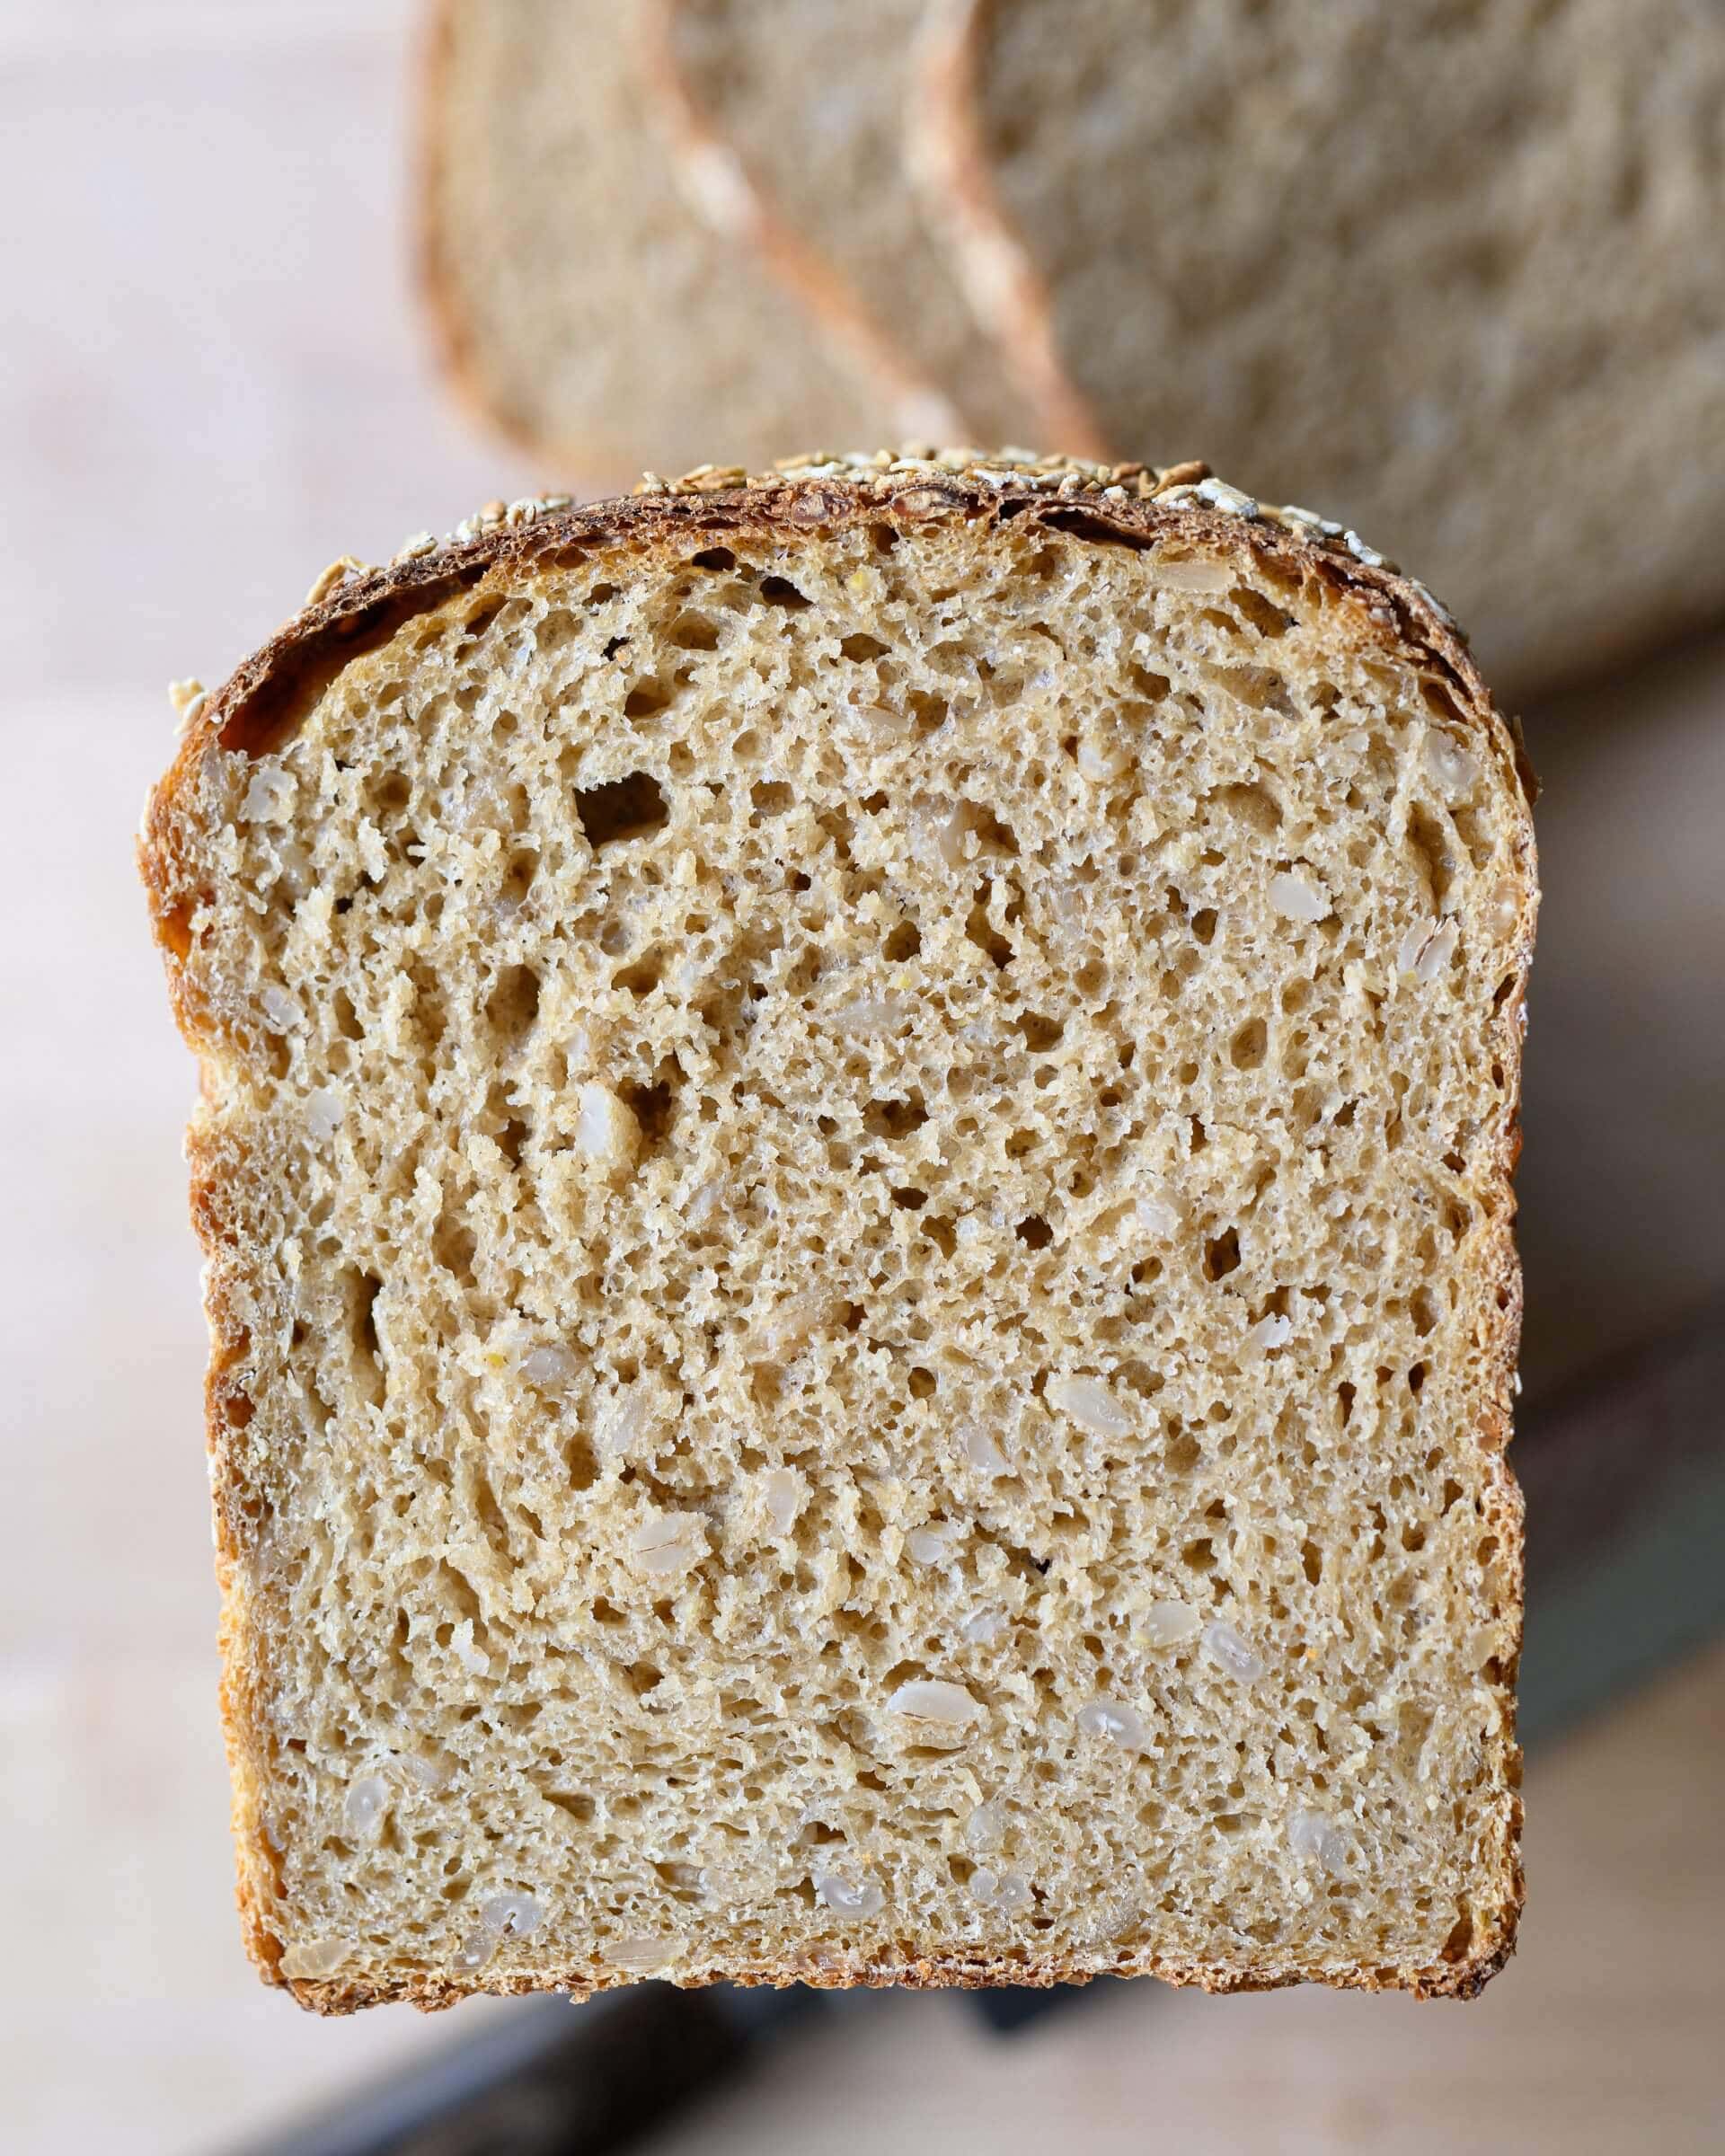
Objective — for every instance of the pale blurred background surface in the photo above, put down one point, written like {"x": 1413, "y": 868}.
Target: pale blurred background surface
{"x": 214, "y": 383}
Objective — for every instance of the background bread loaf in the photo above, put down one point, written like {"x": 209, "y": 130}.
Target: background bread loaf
{"x": 1455, "y": 269}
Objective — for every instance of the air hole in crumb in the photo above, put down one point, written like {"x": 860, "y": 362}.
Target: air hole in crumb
{"x": 714, "y": 557}
{"x": 923, "y": 1383}
{"x": 514, "y": 1003}
{"x": 1255, "y": 806}
{"x": 621, "y": 809}
{"x": 1039, "y": 1033}
{"x": 578, "y": 1807}
{"x": 1268, "y": 619}
{"x": 1417, "y": 1377}
{"x": 645, "y": 699}
{"x": 942, "y": 1233}
{"x": 1312, "y": 1561}
{"x": 904, "y": 942}
{"x": 910, "y": 1200}
{"x": 895, "y": 1119}
{"x": 861, "y": 645}
{"x": 518, "y": 875}
{"x": 1461, "y": 1937}
{"x": 1204, "y": 924}
{"x": 981, "y": 932}
{"x": 644, "y": 976}
{"x": 1222, "y": 1255}
{"x": 1430, "y": 842}
{"x": 1247, "y": 1049}
{"x": 772, "y": 797}
{"x": 455, "y": 1247}
{"x": 363, "y": 1290}
{"x": 482, "y": 618}
{"x": 1183, "y": 1452}
{"x": 1439, "y": 700}
{"x": 780, "y": 591}
{"x": 1034, "y": 1231}
{"x": 651, "y": 1106}
{"x": 695, "y": 632}
{"x": 176, "y": 930}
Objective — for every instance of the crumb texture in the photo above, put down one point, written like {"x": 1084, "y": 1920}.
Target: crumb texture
{"x": 857, "y": 1193}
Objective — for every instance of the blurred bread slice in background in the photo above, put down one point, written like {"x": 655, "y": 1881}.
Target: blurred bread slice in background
{"x": 581, "y": 302}
{"x": 1457, "y": 268}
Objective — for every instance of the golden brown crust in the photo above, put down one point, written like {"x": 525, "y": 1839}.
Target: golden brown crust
{"x": 432, "y": 1994}
{"x": 1128, "y": 505}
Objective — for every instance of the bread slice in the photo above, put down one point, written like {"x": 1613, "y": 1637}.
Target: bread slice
{"x": 854, "y": 1158}
{"x": 577, "y": 297}
{"x": 1456, "y": 268}
{"x": 812, "y": 103}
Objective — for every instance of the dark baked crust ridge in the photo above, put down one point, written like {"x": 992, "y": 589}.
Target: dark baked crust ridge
{"x": 355, "y": 609}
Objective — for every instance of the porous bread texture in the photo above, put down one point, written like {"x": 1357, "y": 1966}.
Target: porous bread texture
{"x": 1457, "y": 270}
{"x": 855, "y": 1157}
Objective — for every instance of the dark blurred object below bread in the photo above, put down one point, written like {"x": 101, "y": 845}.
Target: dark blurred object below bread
{"x": 1458, "y": 267}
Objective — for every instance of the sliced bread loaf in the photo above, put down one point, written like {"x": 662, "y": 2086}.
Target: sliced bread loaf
{"x": 1458, "y": 269}
{"x": 854, "y": 1158}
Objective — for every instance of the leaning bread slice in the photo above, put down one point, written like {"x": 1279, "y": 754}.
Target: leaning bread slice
{"x": 576, "y": 294}
{"x": 855, "y": 1157}
{"x": 1462, "y": 332}
{"x": 807, "y": 105}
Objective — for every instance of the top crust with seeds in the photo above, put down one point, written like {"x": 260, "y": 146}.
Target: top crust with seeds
{"x": 855, "y": 1156}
